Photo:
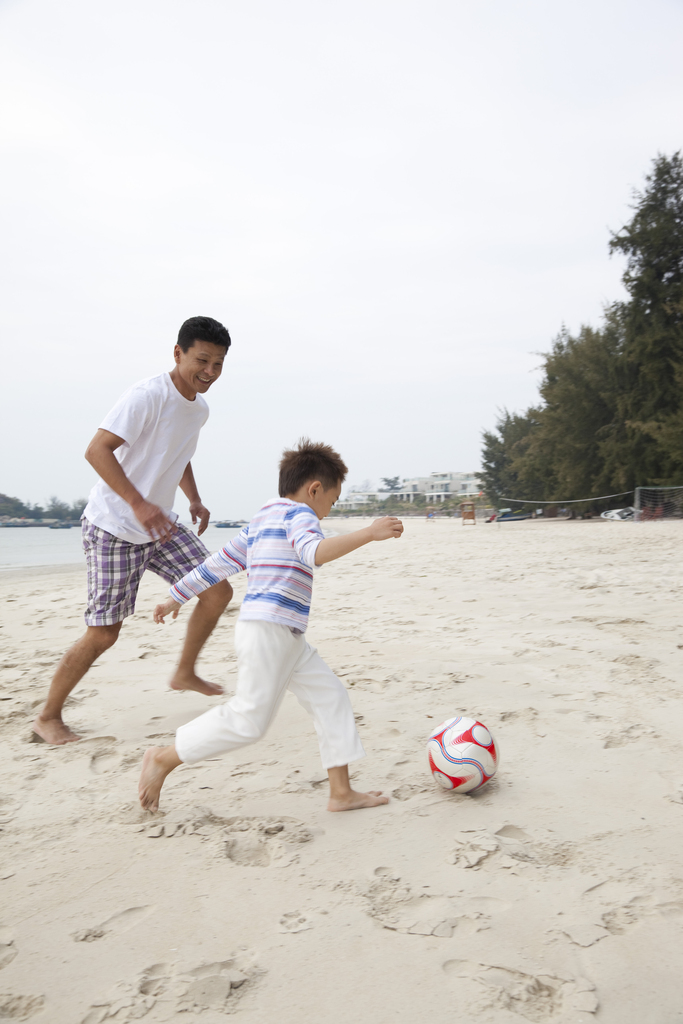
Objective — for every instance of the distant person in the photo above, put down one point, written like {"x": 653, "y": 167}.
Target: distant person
{"x": 279, "y": 548}
{"x": 142, "y": 454}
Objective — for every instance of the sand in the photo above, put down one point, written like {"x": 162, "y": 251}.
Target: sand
{"x": 554, "y": 894}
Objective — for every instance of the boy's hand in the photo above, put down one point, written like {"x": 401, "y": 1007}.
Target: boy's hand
{"x": 385, "y": 528}
{"x": 336, "y": 547}
{"x": 162, "y": 610}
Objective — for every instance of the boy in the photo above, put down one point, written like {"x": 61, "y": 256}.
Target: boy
{"x": 279, "y": 548}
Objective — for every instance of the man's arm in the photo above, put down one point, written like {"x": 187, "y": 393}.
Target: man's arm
{"x": 197, "y": 510}
{"x": 100, "y": 455}
{"x": 336, "y": 547}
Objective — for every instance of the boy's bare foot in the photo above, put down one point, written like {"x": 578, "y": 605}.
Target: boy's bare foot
{"x": 157, "y": 763}
{"x": 193, "y": 682}
{"x": 353, "y": 801}
{"x": 54, "y": 730}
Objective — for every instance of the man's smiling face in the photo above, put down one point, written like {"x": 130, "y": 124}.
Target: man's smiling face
{"x": 198, "y": 368}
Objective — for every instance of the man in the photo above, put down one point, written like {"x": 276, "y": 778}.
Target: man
{"x": 142, "y": 453}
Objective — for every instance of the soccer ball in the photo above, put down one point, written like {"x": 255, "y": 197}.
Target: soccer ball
{"x": 462, "y": 754}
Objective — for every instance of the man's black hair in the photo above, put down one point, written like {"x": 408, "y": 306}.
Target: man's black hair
{"x": 203, "y": 328}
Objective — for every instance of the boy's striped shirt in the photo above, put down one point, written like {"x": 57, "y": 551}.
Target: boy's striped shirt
{"x": 277, "y": 549}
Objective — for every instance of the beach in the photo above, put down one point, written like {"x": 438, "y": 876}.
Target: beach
{"x": 555, "y": 893}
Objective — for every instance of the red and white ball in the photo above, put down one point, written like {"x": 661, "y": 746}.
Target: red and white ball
{"x": 462, "y": 754}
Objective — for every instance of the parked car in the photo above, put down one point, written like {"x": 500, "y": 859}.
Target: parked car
{"x": 619, "y": 513}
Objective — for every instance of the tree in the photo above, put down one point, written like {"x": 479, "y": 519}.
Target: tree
{"x": 650, "y": 404}
{"x": 578, "y": 421}
{"x": 391, "y": 483}
{"x": 507, "y": 468}
{"x": 612, "y": 414}
{"x": 57, "y": 509}
{"x": 15, "y": 509}
{"x": 77, "y": 507}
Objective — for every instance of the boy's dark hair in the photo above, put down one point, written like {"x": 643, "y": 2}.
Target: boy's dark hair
{"x": 203, "y": 328}
{"x": 308, "y": 462}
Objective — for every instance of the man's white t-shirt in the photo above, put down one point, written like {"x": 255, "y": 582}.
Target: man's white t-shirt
{"x": 160, "y": 429}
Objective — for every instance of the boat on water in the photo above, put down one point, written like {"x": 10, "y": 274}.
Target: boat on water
{"x": 59, "y": 526}
{"x": 228, "y": 524}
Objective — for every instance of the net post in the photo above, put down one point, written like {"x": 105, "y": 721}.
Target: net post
{"x": 637, "y": 506}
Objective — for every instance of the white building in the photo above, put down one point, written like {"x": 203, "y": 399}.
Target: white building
{"x": 443, "y": 486}
{"x": 356, "y": 499}
{"x": 436, "y": 488}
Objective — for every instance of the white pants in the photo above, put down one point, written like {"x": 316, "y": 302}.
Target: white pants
{"x": 271, "y": 659}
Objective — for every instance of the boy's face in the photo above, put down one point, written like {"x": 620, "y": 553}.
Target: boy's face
{"x": 321, "y": 500}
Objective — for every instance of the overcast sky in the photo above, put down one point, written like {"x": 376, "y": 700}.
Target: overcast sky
{"x": 393, "y": 205}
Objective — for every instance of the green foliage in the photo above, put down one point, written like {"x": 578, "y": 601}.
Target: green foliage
{"x": 508, "y": 469}
{"x": 60, "y": 510}
{"x": 56, "y": 509}
{"x": 650, "y": 403}
{"x": 391, "y": 483}
{"x": 16, "y": 509}
{"x": 612, "y": 415}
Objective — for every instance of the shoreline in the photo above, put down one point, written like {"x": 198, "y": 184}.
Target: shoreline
{"x": 49, "y": 569}
{"x": 346, "y": 524}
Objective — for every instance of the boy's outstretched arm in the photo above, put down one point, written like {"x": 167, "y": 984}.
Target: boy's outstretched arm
{"x": 335, "y": 547}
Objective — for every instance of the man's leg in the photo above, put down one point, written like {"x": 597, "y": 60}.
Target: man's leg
{"x": 114, "y": 570}
{"x": 71, "y": 669}
{"x": 171, "y": 561}
{"x": 208, "y": 609}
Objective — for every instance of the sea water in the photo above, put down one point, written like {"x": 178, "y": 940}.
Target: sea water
{"x": 38, "y": 545}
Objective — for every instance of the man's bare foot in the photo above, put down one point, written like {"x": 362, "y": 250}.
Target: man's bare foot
{"x": 193, "y": 682}
{"x": 54, "y": 730}
{"x": 353, "y": 801}
{"x": 157, "y": 763}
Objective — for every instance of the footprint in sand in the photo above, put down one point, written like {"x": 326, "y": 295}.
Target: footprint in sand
{"x": 536, "y": 997}
{"x": 19, "y": 1007}
{"x": 508, "y": 848}
{"x": 629, "y": 735}
{"x": 259, "y": 842}
{"x": 295, "y": 782}
{"x": 677, "y": 796}
{"x": 525, "y": 716}
{"x": 248, "y": 842}
{"x": 394, "y": 905}
{"x": 103, "y": 762}
{"x": 620, "y": 917}
{"x": 8, "y": 806}
{"x": 121, "y": 922}
{"x": 472, "y": 852}
{"x": 294, "y": 922}
{"x": 174, "y": 989}
{"x": 8, "y": 950}
{"x": 408, "y": 790}
{"x": 94, "y": 746}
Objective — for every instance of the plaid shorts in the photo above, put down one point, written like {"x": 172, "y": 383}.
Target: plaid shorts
{"x": 115, "y": 568}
